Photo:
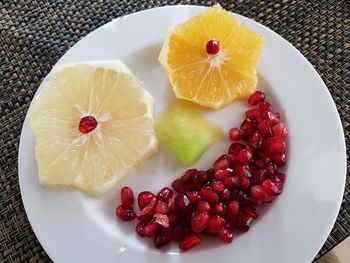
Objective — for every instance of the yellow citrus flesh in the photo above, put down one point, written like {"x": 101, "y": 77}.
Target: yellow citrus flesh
{"x": 124, "y": 136}
{"x": 212, "y": 80}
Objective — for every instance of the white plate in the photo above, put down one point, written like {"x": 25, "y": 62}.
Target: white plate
{"x": 75, "y": 228}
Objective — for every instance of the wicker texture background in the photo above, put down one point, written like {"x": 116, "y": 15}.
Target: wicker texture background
{"x": 34, "y": 34}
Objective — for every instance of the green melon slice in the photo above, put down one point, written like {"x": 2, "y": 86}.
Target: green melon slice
{"x": 185, "y": 132}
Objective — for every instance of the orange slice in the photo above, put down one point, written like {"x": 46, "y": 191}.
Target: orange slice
{"x": 212, "y": 59}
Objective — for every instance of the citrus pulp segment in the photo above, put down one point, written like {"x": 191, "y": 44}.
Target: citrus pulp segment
{"x": 207, "y": 74}
{"x": 71, "y": 152}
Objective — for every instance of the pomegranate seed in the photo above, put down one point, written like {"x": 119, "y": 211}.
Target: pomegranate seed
{"x": 265, "y": 129}
{"x": 163, "y": 238}
{"x": 278, "y": 177}
{"x": 251, "y": 211}
{"x": 215, "y": 224}
{"x": 280, "y": 132}
{"x": 182, "y": 202}
{"x": 246, "y": 134}
{"x": 217, "y": 186}
{"x": 232, "y": 160}
{"x": 243, "y": 222}
{"x": 173, "y": 219}
{"x": 240, "y": 195}
{"x": 255, "y": 140}
{"x": 178, "y": 186}
{"x": 141, "y": 229}
{"x": 243, "y": 171}
{"x": 253, "y": 114}
{"x": 87, "y": 124}
{"x": 279, "y": 159}
{"x": 221, "y": 174}
{"x": 189, "y": 242}
{"x": 219, "y": 209}
{"x": 144, "y": 218}
{"x": 165, "y": 194}
{"x": 278, "y": 115}
{"x": 258, "y": 176}
{"x": 251, "y": 151}
{"x": 145, "y": 213}
{"x": 125, "y": 213}
{"x": 278, "y": 182}
{"x": 209, "y": 195}
{"x": 230, "y": 226}
{"x": 259, "y": 195}
{"x": 161, "y": 207}
{"x": 275, "y": 148}
{"x": 203, "y": 206}
{"x": 212, "y": 47}
{"x": 188, "y": 175}
{"x": 226, "y": 235}
{"x": 177, "y": 233}
{"x": 232, "y": 209}
{"x": 259, "y": 163}
{"x": 162, "y": 220}
{"x": 271, "y": 118}
{"x": 270, "y": 167}
{"x": 235, "y": 148}
{"x": 264, "y": 106}
{"x": 193, "y": 197}
{"x": 199, "y": 179}
{"x": 249, "y": 126}
{"x": 244, "y": 182}
{"x": 264, "y": 157}
{"x": 221, "y": 163}
{"x": 144, "y": 198}
{"x": 210, "y": 173}
{"x": 256, "y": 98}
{"x": 185, "y": 219}
{"x": 230, "y": 182}
{"x": 199, "y": 221}
{"x": 270, "y": 187}
{"x": 127, "y": 196}
{"x": 186, "y": 231}
{"x": 243, "y": 156}
{"x": 234, "y": 134}
{"x": 203, "y": 175}
{"x": 151, "y": 229}
{"x": 225, "y": 195}
{"x": 171, "y": 204}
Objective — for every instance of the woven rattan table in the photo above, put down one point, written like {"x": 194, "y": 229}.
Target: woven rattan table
{"x": 34, "y": 34}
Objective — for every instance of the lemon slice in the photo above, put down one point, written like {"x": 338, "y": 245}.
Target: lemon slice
{"x": 92, "y": 123}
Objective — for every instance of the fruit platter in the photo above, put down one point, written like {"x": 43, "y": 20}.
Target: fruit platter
{"x": 182, "y": 133}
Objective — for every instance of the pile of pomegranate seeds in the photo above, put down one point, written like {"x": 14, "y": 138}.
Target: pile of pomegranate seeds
{"x": 222, "y": 199}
